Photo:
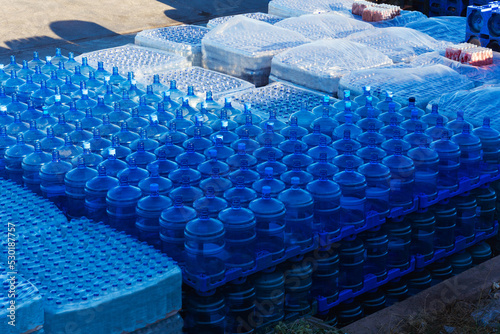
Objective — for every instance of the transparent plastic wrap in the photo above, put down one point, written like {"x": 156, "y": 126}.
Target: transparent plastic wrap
{"x": 268, "y": 18}
{"x": 400, "y": 44}
{"x": 134, "y": 58}
{"x": 476, "y": 104}
{"x": 489, "y": 74}
{"x": 446, "y": 28}
{"x": 282, "y": 98}
{"x": 24, "y": 312}
{"x": 320, "y": 65}
{"x": 324, "y": 26}
{"x": 423, "y": 83}
{"x": 401, "y": 20}
{"x": 290, "y": 8}
{"x": 244, "y": 48}
{"x": 184, "y": 40}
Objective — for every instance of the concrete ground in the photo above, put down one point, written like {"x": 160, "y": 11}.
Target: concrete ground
{"x": 82, "y": 26}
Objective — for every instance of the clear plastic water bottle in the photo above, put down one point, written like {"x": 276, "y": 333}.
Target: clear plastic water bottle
{"x": 298, "y": 282}
{"x": 299, "y": 205}
{"x": 250, "y": 144}
{"x": 446, "y": 219}
{"x": 52, "y": 180}
{"x": 69, "y": 151}
{"x": 347, "y": 99}
{"x": 122, "y": 152}
{"x": 423, "y": 224}
{"x": 263, "y": 153}
{"x": 241, "y": 191}
{"x": 326, "y": 195}
{"x": 31, "y": 167}
{"x": 490, "y": 143}
{"x": 353, "y": 199}
{"x": 205, "y": 130}
{"x": 399, "y": 233}
{"x": 204, "y": 247}
{"x": 192, "y": 157}
{"x": 239, "y": 224}
{"x": 164, "y": 117}
{"x": 352, "y": 259}
{"x": 234, "y": 161}
{"x": 456, "y": 126}
{"x": 348, "y": 125}
{"x": 349, "y": 112}
{"x": 371, "y": 135}
{"x": 74, "y": 182}
{"x": 184, "y": 170}
{"x": 96, "y": 190}
{"x": 17, "y": 127}
{"x": 148, "y": 212}
{"x": 402, "y": 179}
{"x": 62, "y": 128}
{"x": 275, "y": 122}
{"x": 407, "y": 111}
{"x": 376, "y": 246}
{"x": 431, "y": 119}
{"x": 200, "y": 143}
{"x": 141, "y": 156}
{"x": 211, "y": 203}
{"x": 277, "y": 186}
{"x": 470, "y": 154}
{"x": 173, "y": 220}
{"x": 378, "y": 186}
{"x": 121, "y": 206}
{"x": 426, "y": 163}
{"x": 325, "y": 280}
{"x": 368, "y": 110}
{"x": 449, "y": 162}
{"x": 270, "y": 297}
{"x": 210, "y": 104}
{"x": 25, "y": 90}
{"x": 14, "y": 156}
{"x": 270, "y": 216}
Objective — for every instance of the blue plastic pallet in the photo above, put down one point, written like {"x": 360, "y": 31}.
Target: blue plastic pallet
{"x": 483, "y": 23}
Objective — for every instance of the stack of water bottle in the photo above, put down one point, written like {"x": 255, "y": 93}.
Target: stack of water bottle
{"x": 222, "y": 190}
{"x": 77, "y": 267}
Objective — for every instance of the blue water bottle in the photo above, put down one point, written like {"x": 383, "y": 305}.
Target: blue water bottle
{"x": 218, "y": 183}
{"x": 423, "y": 233}
{"x": 270, "y": 216}
{"x": 470, "y": 157}
{"x": 399, "y": 233}
{"x": 31, "y": 168}
{"x": 204, "y": 246}
{"x": 326, "y": 195}
{"x": 188, "y": 192}
{"x": 378, "y": 186}
{"x": 164, "y": 184}
{"x": 270, "y": 297}
{"x": 239, "y": 224}
{"x": 351, "y": 255}
{"x": 211, "y": 203}
{"x": 325, "y": 280}
{"x": 148, "y": 213}
{"x": 353, "y": 199}
{"x": 402, "y": 179}
{"x": 74, "y": 182}
{"x": 241, "y": 191}
{"x": 240, "y": 300}
{"x": 377, "y": 247}
{"x": 298, "y": 283}
{"x": 490, "y": 142}
{"x": 14, "y": 156}
{"x": 446, "y": 220}
{"x": 52, "y": 180}
{"x": 449, "y": 162}
{"x": 96, "y": 190}
{"x": 121, "y": 204}
{"x": 426, "y": 163}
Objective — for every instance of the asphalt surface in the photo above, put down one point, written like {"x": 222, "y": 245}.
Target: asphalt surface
{"x": 82, "y": 26}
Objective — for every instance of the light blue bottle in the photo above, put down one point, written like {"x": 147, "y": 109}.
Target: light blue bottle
{"x": 69, "y": 151}
{"x": 297, "y": 170}
{"x": 250, "y": 144}
{"x": 96, "y": 190}
{"x": 91, "y": 159}
{"x": 411, "y": 124}
{"x": 378, "y": 186}
{"x": 348, "y": 125}
{"x": 112, "y": 164}
{"x": 204, "y": 246}
{"x": 470, "y": 154}
{"x": 366, "y": 152}
{"x": 416, "y": 138}
{"x": 78, "y": 136}
{"x": 341, "y": 145}
{"x": 340, "y": 105}
{"x": 347, "y": 111}
{"x": 371, "y": 135}
{"x": 313, "y": 138}
{"x": 326, "y": 195}
{"x": 125, "y": 135}
{"x": 169, "y": 148}
{"x": 17, "y": 127}
{"x": 457, "y": 125}
{"x": 141, "y": 156}
{"x": 386, "y": 104}
{"x": 98, "y": 143}
{"x": 240, "y": 238}
{"x": 263, "y": 153}
{"x": 402, "y": 179}
{"x": 368, "y": 110}
{"x": 52, "y": 180}
{"x": 390, "y": 113}
{"x": 173, "y": 221}
{"x": 134, "y": 173}
{"x": 205, "y": 131}
{"x": 407, "y": 111}
{"x": 353, "y": 199}
{"x": 74, "y": 182}
{"x": 431, "y": 119}
{"x": 348, "y": 158}
{"x": 33, "y": 134}
{"x": 148, "y": 212}
{"x": 121, "y": 151}
{"x": 388, "y": 131}
{"x": 14, "y": 156}
{"x": 249, "y": 174}
{"x": 361, "y": 100}
{"x": 272, "y": 120}
{"x": 288, "y": 146}
{"x": 184, "y": 170}
{"x": 121, "y": 206}
{"x": 270, "y": 216}
{"x": 234, "y": 161}
{"x": 327, "y": 122}
{"x": 31, "y": 165}
{"x": 269, "y": 134}
{"x": 51, "y": 142}
{"x": 426, "y": 163}
{"x": 297, "y": 155}
{"x": 294, "y": 126}
{"x": 206, "y": 168}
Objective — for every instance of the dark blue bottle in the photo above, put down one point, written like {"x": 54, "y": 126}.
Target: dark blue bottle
{"x": 431, "y": 119}
{"x": 347, "y": 111}
{"x": 297, "y": 155}
{"x": 371, "y": 135}
{"x": 51, "y": 142}
{"x": 135, "y": 122}
{"x": 278, "y": 167}
{"x": 353, "y": 199}
{"x": 144, "y": 109}
{"x": 389, "y": 131}
{"x": 485, "y": 215}
{"x": 184, "y": 170}
{"x": 96, "y": 190}
{"x": 31, "y": 165}
{"x": 389, "y": 146}
{"x": 490, "y": 143}
{"x": 470, "y": 154}
{"x": 322, "y": 164}
{"x": 402, "y": 179}
{"x": 298, "y": 282}
{"x": 426, "y": 163}
{"x": 173, "y": 220}
{"x": 163, "y": 165}
{"x": 351, "y": 255}
{"x": 98, "y": 143}
{"x": 74, "y": 114}
{"x": 325, "y": 280}
{"x": 148, "y": 213}
{"x": 52, "y": 180}
{"x": 121, "y": 206}
{"x": 200, "y": 143}
{"x": 270, "y": 297}
{"x": 239, "y": 224}
{"x": 150, "y": 145}
{"x": 436, "y": 132}
{"x": 446, "y": 220}
{"x": 31, "y": 113}
{"x": 389, "y": 113}
{"x": 207, "y": 167}
{"x": 107, "y": 129}
{"x": 14, "y": 156}
{"x": 252, "y": 129}
{"x": 69, "y": 151}
{"x": 247, "y": 110}
{"x": 376, "y": 247}
{"x": 223, "y": 151}
{"x": 241, "y": 191}
{"x": 386, "y": 104}
{"x": 249, "y": 175}
{"x": 112, "y": 164}
{"x": 423, "y": 233}
{"x": 270, "y": 216}
{"x": 326, "y": 195}
{"x": 91, "y": 159}
{"x": 348, "y": 125}
{"x": 134, "y": 173}
{"x": 74, "y": 182}
{"x": 327, "y": 122}
{"x": 367, "y": 109}
{"x": 378, "y": 186}
{"x": 164, "y": 117}
{"x": 269, "y": 134}
{"x": 79, "y": 135}
{"x": 418, "y": 281}
{"x": 211, "y": 203}
{"x": 33, "y": 134}
{"x": 296, "y": 171}
{"x": 342, "y": 161}
{"x": 234, "y": 161}
{"x": 121, "y": 151}
{"x": 205, "y": 130}
{"x": 340, "y": 105}
{"x": 250, "y": 144}
{"x": 417, "y": 137}
{"x": 17, "y": 127}
{"x": 272, "y": 120}
{"x": 188, "y": 193}
{"x": 277, "y": 186}
{"x": 466, "y": 206}
{"x": 411, "y": 124}
{"x": 215, "y": 181}
{"x": 240, "y": 301}
{"x": 456, "y": 126}
{"x": 170, "y": 149}
{"x": 407, "y": 111}
{"x": 164, "y": 184}
{"x": 204, "y": 247}
{"x": 399, "y": 233}
{"x": 449, "y": 162}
